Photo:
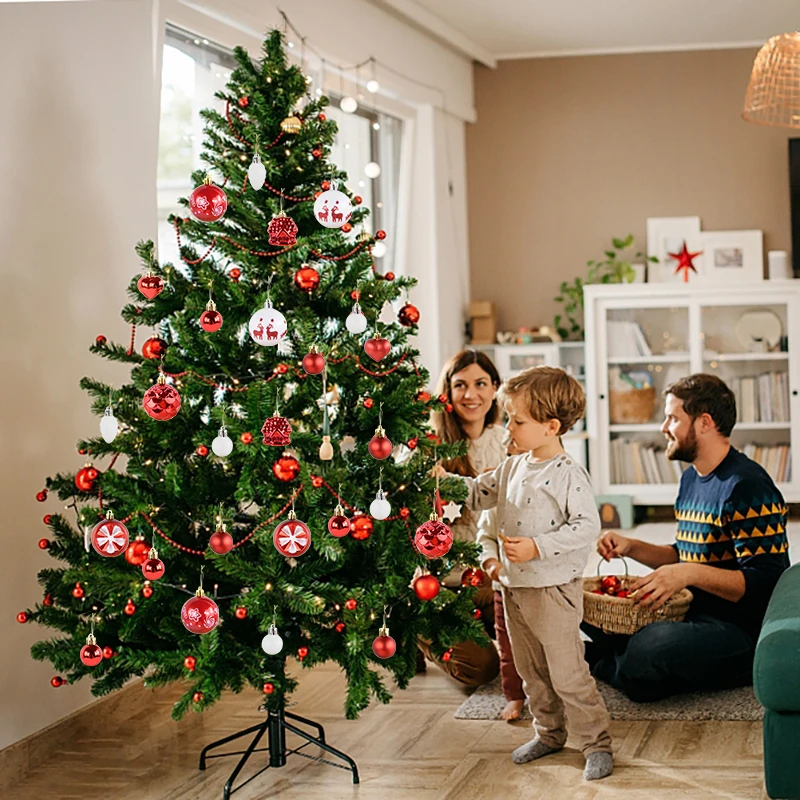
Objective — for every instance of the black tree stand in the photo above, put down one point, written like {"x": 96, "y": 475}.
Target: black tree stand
{"x": 275, "y": 726}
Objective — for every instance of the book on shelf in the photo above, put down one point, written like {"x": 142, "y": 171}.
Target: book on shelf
{"x": 626, "y": 340}
{"x": 776, "y": 460}
{"x": 762, "y": 398}
{"x": 635, "y": 462}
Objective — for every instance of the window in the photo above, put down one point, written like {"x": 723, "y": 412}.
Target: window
{"x": 193, "y": 70}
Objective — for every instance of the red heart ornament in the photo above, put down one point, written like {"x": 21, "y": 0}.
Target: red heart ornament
{"x": 377, "y": 348}
{"x": 151, "y": 286}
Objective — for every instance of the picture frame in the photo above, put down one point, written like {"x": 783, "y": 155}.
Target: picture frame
{"x": 731, "y": 256}
{"x": 666, "y": 235}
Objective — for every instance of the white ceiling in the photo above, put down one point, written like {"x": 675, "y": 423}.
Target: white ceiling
{"x": 528, "y": 28}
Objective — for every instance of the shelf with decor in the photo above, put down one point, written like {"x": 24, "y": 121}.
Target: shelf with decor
{"x": 642, "y": 337}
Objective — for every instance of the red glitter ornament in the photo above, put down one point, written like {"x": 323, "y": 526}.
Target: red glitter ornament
{"x": 110, "y": 537}
{"x": 151, "y": 285}
{"x": 306, "y": 278}
{"x": 433, "y": 539}
{"x": 361, "y": 527}
{"x": 190, "y": 662}
{"x": 292, "y": 537}
{"x": 207, "y": 202}
{"x": 277, "y": 431}
{"x": 286, "y": 468}
{"x": 85, "y": 478}
{"x": 137, "y": 552}
{"x": 200, "y": 614}
{"x": 154, "y": 348}
{"x": 426, "y": 587}
{"x": 282, "y": 231}
{"x": 161, "y": 401}
{"x": 408, "y": 315}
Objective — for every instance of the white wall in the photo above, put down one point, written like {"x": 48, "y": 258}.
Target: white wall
{"x": 77, "y": 167}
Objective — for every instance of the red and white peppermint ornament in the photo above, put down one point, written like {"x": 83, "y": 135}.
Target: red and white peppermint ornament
{"x": 267, "y": 326}
{"x": 333, "y": 209}
{"x": 292, "y": 537}
{"x": 207, "y": 202}
{"x": 110, "y": 537}
{"x": 161, "y": 401}
{"x": 433, "y": 538}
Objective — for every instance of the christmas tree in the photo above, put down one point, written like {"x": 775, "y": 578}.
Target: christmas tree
{"x": 252, "y": 447}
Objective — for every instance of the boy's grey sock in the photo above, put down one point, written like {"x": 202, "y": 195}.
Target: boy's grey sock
{"x": 532, "y": 750}
{"x": 598, "y": 765}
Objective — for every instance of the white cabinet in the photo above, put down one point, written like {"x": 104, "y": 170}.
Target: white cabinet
{"x": 641, "y": 337}
{"x": 511, "y": 359}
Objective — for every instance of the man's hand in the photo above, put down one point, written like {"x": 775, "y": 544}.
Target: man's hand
{"x": 520, "y": 548}
{"x": 655, "y": 589}
{"x": 613, "y": 545}
{"x": 492, "y": 568}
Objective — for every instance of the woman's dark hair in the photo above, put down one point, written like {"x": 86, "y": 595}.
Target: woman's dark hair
{"x": 706, "y": 394}
{"x": 448, "y": 426}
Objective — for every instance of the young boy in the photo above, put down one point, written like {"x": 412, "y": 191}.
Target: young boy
{"x": 547, "y": 523}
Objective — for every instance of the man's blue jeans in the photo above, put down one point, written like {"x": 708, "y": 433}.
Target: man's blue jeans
{"x": 664, "y": 658}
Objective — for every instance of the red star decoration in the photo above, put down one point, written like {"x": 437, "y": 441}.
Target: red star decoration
{"x": 684, "y": 259}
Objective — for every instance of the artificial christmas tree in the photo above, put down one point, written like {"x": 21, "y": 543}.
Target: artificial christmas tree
{"x": 198, "y": 385}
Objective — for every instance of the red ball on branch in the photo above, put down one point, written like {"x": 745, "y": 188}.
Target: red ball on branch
{"x": 302, "y": 652}
{"x": 384, "y": 646}
{"x": 130, "y": 608}
{"x": 313, "y": 363}
{"x": 246, "y": 437}
{"x": 361, "y": 527}
{"x": 477, "y": 613}
{"x": 351, "y": 604}
{"x": 389, "y": 276}
{"x": 78, "y": 591}
{"x": 147, "y": 591}
{"x": 380, "y": 447}
{"x": 48, "y": 600}
{"x": 325, "y": 185}
{"x": 447, "y": 655}
{"x": 154, "y": 348}
{"x": 380, "y": 234}
{"x": 211, "y": 320}
{"x": 306, "y": 278}
{"x": 44, "y": 544}
{"x": 338, "y": 526}
{"x": 472, "y": 577}
{"x": 57, "y": 681}
{"x": 221, "y": 542}
{"x": 101, "y": 340}
{"x": 241, "y": 612}
{"x": 405, "y": 513}
{"x": 41, "y": 496}
{"x": 108, "y": 652}
{"x": 368, "y": 402}
{"x": 408, "y": 315}
{"x": 282, "y": 369}
{"x": 22, "y": 617}
{"x": 137, "y": 552}
{"x": 346, "y": 228}
{"x": 235, "y": 274}
{"x": 153, "y": 569}
{"x": 358, "y": 200}
{"x": 412, "y": 443}
{"x": 85, "y": 478}
{"x": 244, "y": 101}
{"x": 91, "y": 655}
{"x": 422, "y": 397}
{"x": 190, "y": 662}
{"x": 201, "y": 450}
{"x": 317, "y": 482}
{"x": 340, "y": 627}
{"x": 286, "y": 468}
{"x": 46, "y": 519}
{"x": 197, "y": 697}
{"x": 321, "y": 117}
{"x": 316, "y": 152}
{"x": 426, "y": 587}
{"x": 268, "y": 688}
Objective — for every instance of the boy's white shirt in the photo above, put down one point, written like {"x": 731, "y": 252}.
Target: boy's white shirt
{"x": 549, "y": 501}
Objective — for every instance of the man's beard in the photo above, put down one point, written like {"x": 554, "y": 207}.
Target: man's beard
{"x": 685, "y": 450}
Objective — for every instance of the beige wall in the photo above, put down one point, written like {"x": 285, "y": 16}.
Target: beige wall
{"x": 77, "y": 163}
{"x": 568, "y": 152}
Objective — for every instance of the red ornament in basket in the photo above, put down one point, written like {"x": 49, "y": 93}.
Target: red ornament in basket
{"x": 277, "y": 431}
{"x": 282, "y": 231}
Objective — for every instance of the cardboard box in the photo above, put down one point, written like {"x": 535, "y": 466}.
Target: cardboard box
{"x": 483, "y": 322}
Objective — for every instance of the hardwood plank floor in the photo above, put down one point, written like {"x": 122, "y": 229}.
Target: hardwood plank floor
{"x": 412, "y": 748}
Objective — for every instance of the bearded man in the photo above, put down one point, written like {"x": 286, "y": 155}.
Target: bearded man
{"x": 730, "y": 550}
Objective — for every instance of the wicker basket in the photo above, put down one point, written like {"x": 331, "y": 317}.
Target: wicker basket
{"x": 631, "y": 406}
{"x": 622, "y": 615}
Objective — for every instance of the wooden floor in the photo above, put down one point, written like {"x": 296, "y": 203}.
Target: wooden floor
{"x": 412, "y": 748}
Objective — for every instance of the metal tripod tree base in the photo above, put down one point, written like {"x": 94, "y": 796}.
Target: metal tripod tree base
{"x": 275, "y": 727}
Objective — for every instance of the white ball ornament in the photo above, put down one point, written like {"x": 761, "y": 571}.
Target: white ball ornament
{"x": 373, "y": 86}
{"x": 267, "y": 326}
{"x": 379, "y": 507}
{"x": 379, "y": 250}
{"x": 272, "y": 644}
{"x": 348, "y": 104}
{"x": 372, "y": 170}
{"x": 109, "y": 425}
{"x": 356, "y": 322}
{"x": 222, "y": 445}
{"x": 333, "y": 208}
{"x": 257, "y": 172}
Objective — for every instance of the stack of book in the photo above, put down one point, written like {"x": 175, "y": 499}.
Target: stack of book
{"x": 776, "y": 460}
{"x": 762, "y": 398}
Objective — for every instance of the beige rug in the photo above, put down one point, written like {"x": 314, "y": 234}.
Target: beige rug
{"x": 486, "y": 702}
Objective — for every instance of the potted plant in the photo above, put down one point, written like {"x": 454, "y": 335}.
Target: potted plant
{"x": 612, "y": 269}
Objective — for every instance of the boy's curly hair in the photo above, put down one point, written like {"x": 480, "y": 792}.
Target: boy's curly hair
{"x": 550, "y": 393}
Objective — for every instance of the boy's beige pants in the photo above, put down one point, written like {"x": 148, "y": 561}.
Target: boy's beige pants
{"x": 548, "y": 654}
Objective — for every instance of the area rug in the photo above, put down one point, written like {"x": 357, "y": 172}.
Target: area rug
{"x": 487, "y": 702}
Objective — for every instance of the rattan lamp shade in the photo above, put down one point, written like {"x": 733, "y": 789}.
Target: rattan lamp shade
{"x": 773, "y": 94}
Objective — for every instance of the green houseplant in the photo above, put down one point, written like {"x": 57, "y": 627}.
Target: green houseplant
{"x": 612, "y": 269}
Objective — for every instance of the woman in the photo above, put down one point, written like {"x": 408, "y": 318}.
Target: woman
{"x": 470, "y": 380}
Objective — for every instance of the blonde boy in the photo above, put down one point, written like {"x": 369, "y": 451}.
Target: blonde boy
{"x": 547, "y": 524}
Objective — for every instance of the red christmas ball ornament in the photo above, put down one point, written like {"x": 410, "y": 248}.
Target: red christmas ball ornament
{"x": 346, "y": 228}
{"x": 85, "y": 478}
{"x": 321, "y": 117}
{"x": 292, "y": 537}
{"x": 211, "y": 319}
{"x": 57, "y": 681}
{"x": 477, "y": 613}
{"x": 423, "y": 397}
{"x": 302, "y": 652}
{"x": 153, "y": 568}
{"x": 78, "y": 591}
{"x": 443, "y": 398}
{"x": 351, "y": 604}
{"x": 379, "y": 445}
{"x": 108, "y": 652}
{"x": 286, "y": 468}
{"x": 244, "y": 101}
{"x": 137, "y": 552}
{"x": 610, "y": 584}
{"x": 282, "y": 231}
{"x": 380, "y": 235}
{"x": 235, "y": 274}
{"x": 361, "y": 527}
{"x": 338, "y": 524}
{"x": 110, "y": 537}
{"x": 408, "y": 315}
{"x": 48, "y": 600}
{"x": 368, "y": 402}
{"x": 207, "y": 202}
{"x": 355, "y": 295}
{"x": 383, "y": 645}
{"x": 268, "y": 688}
{"x": 197, "y": 698}
{"x": 147, "y": 591}
{"x": 313, "y": 362}
{"x": 154, "y": 348}
{"x": 426, "y": 587}
{"x": 433, "y": 538}
{"x": 161, "y": 401}
{"x": 44, "y": 544}
{"x": 316, "y": 152}
{"x": 101, "y": 340}
{"x": 317, "y": 482}
{"x": 201, "y": 450}
{"x": 340, "y": 627}
{"x": 447, "y": 655}
{"x": 130, "y": 608}
{"x": 22, "y": 617}
{"x": 190, "y": 662}
{"x": 277, "y": 431}
{"x": 434, "y": 438}
{"x": 200, "y": 614}
{"x": 246, "y": 437}
{"x": 377, "y": 347}
{"x": 82, "y": 451}
{"x": 221, "y": 541}
{"x": 41, "y": 496}
{"x": 241, "y": 612}
{"x": 358, "y": 200}
{"x": 46, "y": 519}
{"x": 282, "y": 369}
{"x": 91, "y": 655}
{"x": 472, "y": 577}
{"x": 405, "y": 513}
{"x": 412, "y": 443}
{"x": 325, "y": 185}
{"x": 389, "y": 276}
{"x": 151, "y": 285}
{"x": 448, "y": 408}
{"x": 306, "y": 278}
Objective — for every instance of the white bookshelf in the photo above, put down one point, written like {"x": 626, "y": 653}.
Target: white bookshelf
{"x": 684, "y": 329}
